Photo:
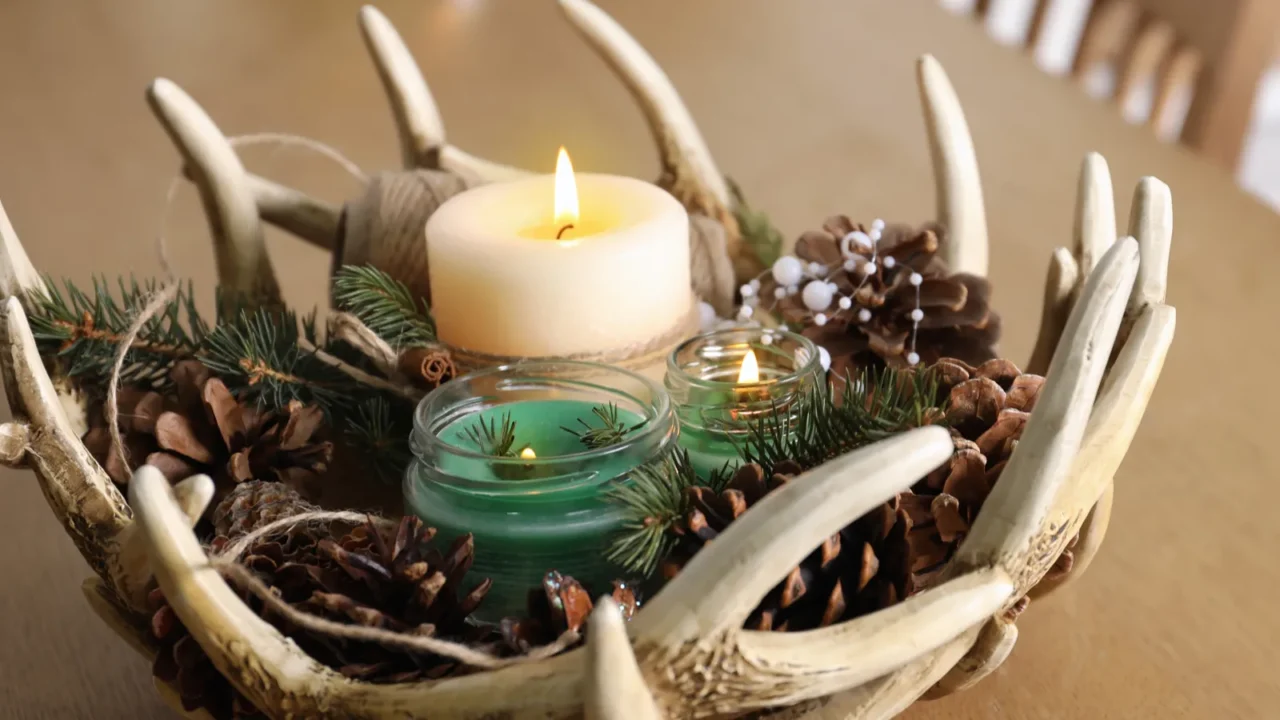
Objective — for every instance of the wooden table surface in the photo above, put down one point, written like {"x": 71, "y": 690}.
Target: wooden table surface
{"x": 812, "y": 107}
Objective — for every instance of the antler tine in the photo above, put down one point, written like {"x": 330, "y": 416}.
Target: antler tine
{"x": 17, "y": 274}
{"x": 1059, "y": 288}
{"x": 995, "y": 642}
{"x": 416, "y": 116}
{"x": 689, "y": 171}
{"x": 239, "y": 248}
{"x": 889, "y": 695}
{"x": 1151, "y": 222}
{"x": 1095, "y": 221}
{"x": 722, "y": 584}
{"x": 1021, "y": 526}
{"x": 294, "y": 211}
{"x": 81, "y": 495}
{"x": 840, "y": 657}
{"x": 615, "y": 689}
{"x": 193, "y": 496}
{"x": 955, "y": 171}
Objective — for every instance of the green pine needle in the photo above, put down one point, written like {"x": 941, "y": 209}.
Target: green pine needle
{"x": 874, "y": 405}
{"x": 610, "y": 433}
{"x": 758, "y": 233}
{"x": 258, "y": 356}
{"x": 654, "y": 501}
{"x": 380, "y": 432}
{"x": 385, "y": 305}
{"x": 492, "y": 439}
{"x": 83, "y": 332}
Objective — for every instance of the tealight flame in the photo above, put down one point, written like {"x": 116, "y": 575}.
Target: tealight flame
{"x": 566, "y": 199}
{"x": 528, "y": 454}
{"x": 750, "y": 371}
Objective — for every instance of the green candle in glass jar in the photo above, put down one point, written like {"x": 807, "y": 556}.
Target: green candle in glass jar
{"x": 726, "y": 382}
{"x": 539, "y": 505}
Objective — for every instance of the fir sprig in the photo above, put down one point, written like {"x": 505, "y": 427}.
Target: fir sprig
{"x": 84, "y": 331}
{"x": 758, "y": 233}
{"x": 611, "y": 431}
{"x": 654, "y": 500}
{"x": 385, "y": 305}
{"x": 871, "y": 406}
{"x": 493, "y": 439}
{"x": 381, "y": 434}
{"x": 257, "y": 354}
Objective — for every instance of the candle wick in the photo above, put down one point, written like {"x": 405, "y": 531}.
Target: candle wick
{"x": 561, "y": 233}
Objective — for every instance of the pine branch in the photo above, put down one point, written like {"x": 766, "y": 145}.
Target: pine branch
{"x": 758, "y": 233}
{"x": 610, "y": 433}
{"x": 654, "y": 501}
{"x": 874, "y": 405}
{"x": 84, "y": 332}
{"x": 380, "y": 432}
{"x": 385, "y": 305}
{"x": 493, "y": 440}
{"x": 258, "y": 355}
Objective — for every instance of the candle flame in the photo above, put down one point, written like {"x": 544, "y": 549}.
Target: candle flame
{"x": 750, "y": 371}
{"x": 566, "y": 199}
{"x": 528, "y": 454}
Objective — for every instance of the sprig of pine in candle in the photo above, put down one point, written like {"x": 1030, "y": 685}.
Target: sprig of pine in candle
{"x": 871, "y": 406}
{"x": 654, "y": 500}
{"x": 494, "y": 439}
{"x": 385, "y": 305}
{"x": 611, "y": 432}
{"x": 83, "y": 330}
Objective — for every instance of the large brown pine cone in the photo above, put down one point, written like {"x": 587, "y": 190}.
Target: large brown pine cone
{"x": 203, "y": 428}
{"x": 877, "y": 327}
{"x": 561, "y": 604}
{"x": 899, "y": 548}
{"x": 182, "y": 663}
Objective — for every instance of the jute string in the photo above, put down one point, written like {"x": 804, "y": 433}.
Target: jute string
{"x": 228, "y": 563}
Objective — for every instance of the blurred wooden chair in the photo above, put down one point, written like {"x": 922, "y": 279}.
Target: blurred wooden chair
{"x": 1189, "y": 69}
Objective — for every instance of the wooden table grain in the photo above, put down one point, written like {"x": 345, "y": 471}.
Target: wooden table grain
{"x": 811, "y": 106}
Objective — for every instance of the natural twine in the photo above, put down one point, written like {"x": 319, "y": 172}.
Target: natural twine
{"x": 228, "y": 563}
{"x": 634, "y": 357}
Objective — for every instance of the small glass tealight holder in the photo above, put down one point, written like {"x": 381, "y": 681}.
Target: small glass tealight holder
{"x": 726, "y": 384}
{"x": 540, "y": 505}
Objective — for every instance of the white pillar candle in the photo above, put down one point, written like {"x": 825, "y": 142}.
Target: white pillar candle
{"x": 502, "y": 284}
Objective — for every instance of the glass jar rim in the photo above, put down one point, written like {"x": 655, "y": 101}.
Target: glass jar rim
{"x": 812, "y": 365}
{"x": 650, "y": 428}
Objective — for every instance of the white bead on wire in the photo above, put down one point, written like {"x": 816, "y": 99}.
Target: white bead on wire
{"x": 812, "y": 281}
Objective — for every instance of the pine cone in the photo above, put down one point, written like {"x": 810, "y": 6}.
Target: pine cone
{"x": 877, "y": 327}
{"x": 138, "y": 411}
{"x": 203, "y": 428}
{"x": 899, "y": 548}
{"x": 560, "y": 605}
{"x": 255, "y": 504}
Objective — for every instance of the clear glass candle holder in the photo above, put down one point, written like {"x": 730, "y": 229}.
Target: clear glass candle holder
{"x": 716, "y": 412}
{"x": 530, "y": 515}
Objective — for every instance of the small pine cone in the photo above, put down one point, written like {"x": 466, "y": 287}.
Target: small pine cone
{"x": 560, "y": 605}
{"x": 255, "y": 504}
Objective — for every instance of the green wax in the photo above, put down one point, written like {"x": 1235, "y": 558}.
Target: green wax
{"x": 529, "y": 517}
{"x": 709, "y": 451}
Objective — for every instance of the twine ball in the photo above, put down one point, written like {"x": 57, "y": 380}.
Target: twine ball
{"x": 710, "y": 268}
{"x": 383, "y": 227}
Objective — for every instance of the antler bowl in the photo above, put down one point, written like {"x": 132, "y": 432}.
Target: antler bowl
{"x": 1103, "y": 339}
